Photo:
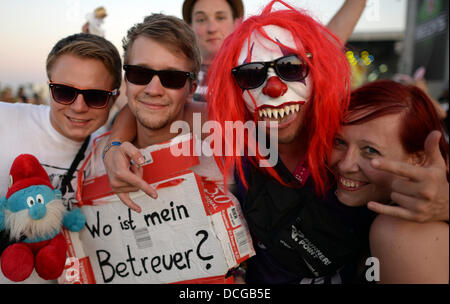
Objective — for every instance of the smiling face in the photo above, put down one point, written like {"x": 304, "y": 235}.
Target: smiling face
{"x": 276, "y": 99}
{"x": 77, "y": 121}
{"x": 357, "y": 181}
{"x": 155, "y": 106}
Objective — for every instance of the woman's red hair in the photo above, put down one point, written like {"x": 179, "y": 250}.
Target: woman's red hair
{"x": 329, "y": 71}
{"x": 385, "y": 97}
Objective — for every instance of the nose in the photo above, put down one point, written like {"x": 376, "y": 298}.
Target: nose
{"x": 154, "y": 87}
{"x": 274, "y": 87}
{"x": 349, "y": 162}
{"x": 79, "y": 105}
{"x": 211, "y": 26}
{"x": 38, "y": 211}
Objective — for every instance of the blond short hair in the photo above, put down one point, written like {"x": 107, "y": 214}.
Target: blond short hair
{"x": 89, "y": 46}
{"x": 171, "y": 31}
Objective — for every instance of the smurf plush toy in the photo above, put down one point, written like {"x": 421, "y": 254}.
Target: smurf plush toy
{"x": 33, "y": 213}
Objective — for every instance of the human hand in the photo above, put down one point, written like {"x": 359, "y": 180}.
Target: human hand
{"x": 125, "y": 177}
{"x": 421, "y": 192}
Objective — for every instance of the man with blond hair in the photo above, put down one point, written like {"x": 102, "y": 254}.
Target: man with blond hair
{"x": 84, "y": 74}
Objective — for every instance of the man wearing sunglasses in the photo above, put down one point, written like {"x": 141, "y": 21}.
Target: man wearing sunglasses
{"x": 161, "y": 63}
{"x": 84, "y": 73}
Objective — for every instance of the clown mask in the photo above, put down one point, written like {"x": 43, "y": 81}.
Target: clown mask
{"x": 275, "y": 81}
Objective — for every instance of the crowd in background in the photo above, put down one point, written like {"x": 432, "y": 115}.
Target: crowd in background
{"x": 27, "y": 93}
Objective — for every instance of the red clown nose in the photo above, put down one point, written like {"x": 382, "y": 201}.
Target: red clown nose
{"x": 274, "y": 87}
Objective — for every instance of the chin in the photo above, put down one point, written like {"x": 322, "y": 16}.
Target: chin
{"x": 152, "y": 124}
{"x": 287, "y": 136}
{"x": 351, "y": 200}
{"x": 77, "y": 137}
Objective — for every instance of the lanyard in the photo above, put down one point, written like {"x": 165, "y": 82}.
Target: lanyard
{"x": 302, "y": 172}
{"x": 76, "y": 161}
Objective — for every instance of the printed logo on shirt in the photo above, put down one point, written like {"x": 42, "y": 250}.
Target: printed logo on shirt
{"x": 299, "y": 238}
{"x": 56, "y": 175}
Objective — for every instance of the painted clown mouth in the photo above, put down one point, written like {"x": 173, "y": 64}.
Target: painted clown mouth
{"x": 350, "y": 184}
{"x": 283, "y": 113}
{"x": 287, "y": 108}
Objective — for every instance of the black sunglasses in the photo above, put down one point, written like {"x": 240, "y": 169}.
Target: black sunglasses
{"x": 289, "y": 68}
{"x": 170, "y": 79}
{"x": 66, "y": 95}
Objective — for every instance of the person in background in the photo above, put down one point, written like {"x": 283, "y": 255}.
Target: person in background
{"x": 6, "y": 95}
{"x": 391, "y": 151}
{"x": 37, "y": 99}
{"x": 213, "y": 20}
{"x": 94, "y": 22}
{"x": 419, "y": 81}
{"x": 21, "y": 97}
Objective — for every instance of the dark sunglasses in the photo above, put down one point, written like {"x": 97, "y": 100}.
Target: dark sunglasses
{"x": 170, "y": 79}
{"x": 289, "y": 68}
{"x": 66, "y": 95}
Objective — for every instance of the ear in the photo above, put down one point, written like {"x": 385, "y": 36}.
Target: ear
{"x": 192, "y": 89}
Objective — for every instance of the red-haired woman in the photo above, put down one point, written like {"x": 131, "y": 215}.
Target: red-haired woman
{"x": 389, "y": 152}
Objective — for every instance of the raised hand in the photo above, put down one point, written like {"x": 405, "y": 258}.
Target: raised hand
{"x": 421, "y": 192}
{"x": 122, "y": 165}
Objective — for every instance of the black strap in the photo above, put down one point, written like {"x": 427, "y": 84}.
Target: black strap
{"x": 76, "y": 161}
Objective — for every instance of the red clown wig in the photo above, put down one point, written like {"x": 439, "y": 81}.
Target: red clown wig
{"x": 329, "y": 72}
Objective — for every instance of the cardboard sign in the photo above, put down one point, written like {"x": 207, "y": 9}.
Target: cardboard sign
{"x": 194, "y": 232}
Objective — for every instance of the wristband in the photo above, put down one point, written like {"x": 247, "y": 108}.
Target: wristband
{"x": 106, "y": 149}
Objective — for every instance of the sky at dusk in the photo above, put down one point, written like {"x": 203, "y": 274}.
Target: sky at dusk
{"x": 29, "y": 29}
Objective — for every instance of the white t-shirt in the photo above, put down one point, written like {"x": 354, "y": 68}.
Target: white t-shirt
{"x": 26, "y": 128}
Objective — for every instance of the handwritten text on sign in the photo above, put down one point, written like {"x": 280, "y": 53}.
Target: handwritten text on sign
{"x": 171, "y": 240}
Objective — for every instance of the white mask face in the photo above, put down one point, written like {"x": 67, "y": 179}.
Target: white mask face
{"x": 275, "y": 97}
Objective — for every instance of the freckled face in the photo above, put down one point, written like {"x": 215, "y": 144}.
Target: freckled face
{"x": 357, "y": 181}
{"x": 276, "y": 99}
